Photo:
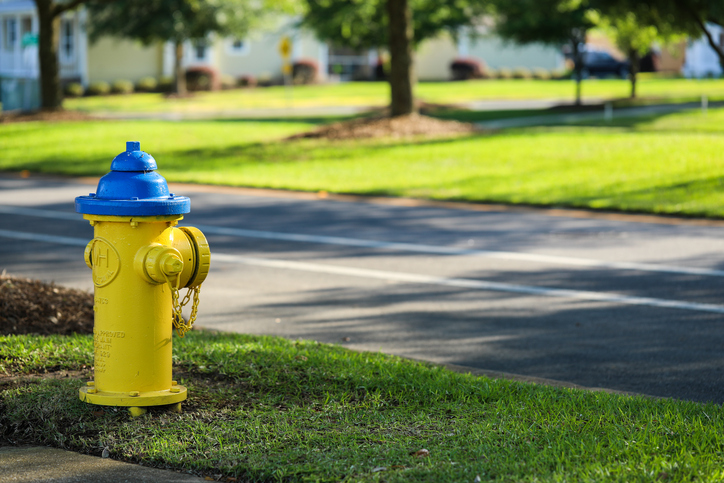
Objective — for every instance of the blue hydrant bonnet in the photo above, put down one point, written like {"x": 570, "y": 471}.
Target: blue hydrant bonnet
{"x": 132, "y": 188}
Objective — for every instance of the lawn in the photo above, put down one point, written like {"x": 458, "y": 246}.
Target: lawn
{"x": 269, "y": 409}
{"x": 377, "y": 94}
{"x": 667, "y": 164}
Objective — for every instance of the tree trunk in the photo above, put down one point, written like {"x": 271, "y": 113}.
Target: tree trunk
{"x": 178, "y": 68}
{"x": 402, "y": 73}
{"x": 577, "y": 68}
{"x": 633, "y": 59}
{"x": 51, "y": 99}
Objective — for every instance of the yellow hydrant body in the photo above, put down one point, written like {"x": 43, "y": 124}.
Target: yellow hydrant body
{"x": 138, "y": 264}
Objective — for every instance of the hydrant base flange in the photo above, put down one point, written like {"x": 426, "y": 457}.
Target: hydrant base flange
{"x": 150, "y": 398}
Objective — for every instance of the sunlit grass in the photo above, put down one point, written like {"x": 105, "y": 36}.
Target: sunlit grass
{"x": 268, "y": 409}
{"x": 377, "y": 94}
{"x": 664, "y": 164}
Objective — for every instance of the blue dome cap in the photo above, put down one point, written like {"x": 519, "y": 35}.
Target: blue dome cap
{"x": 132, "y": 188}
{"x": 133, "y": 159}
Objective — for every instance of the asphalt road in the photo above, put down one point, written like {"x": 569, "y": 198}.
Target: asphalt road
{"x": 631, "y": 306}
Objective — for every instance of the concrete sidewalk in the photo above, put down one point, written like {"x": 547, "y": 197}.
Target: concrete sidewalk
{"x": 31, "y": 464}
{"x": 570, "y": 118}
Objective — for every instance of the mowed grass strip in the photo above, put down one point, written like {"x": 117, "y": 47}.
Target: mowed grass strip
{"x": 668, "y": 164}
{"x": 269, "y": 409}
{"x": 377, "y": 94}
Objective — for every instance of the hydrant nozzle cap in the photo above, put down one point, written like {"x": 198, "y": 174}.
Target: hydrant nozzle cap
{"x": 133, "y": 146}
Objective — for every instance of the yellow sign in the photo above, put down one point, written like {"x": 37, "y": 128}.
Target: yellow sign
{"x": 285, "y": 47}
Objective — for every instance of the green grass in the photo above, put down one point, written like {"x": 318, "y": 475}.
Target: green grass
{"x": 668, "y": 164}
{"x": 377, "y": 94}
{"x": 268, "y": 409}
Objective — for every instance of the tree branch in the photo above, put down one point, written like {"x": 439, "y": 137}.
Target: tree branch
{"x": 702, "y": 25}
{"x": 60, "y": 8}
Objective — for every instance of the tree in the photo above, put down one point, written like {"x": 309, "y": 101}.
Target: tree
{"x": 176, "y": 21}
{"x": 49, "y": 12}
{"x": 398, "y": 25}
{"x": 632, "y": 38}
{"x": 676, "y": 16}
{"x": 552, "y": 22}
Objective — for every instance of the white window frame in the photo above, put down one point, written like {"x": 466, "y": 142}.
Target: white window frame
{"x": 68, "y": 58}
{"x": 10, "y": 45}
{"x": 244, "y": 50}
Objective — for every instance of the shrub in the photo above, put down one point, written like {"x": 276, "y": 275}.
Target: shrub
{"x": 166, "y": 84}
{"x": 541, "y": 74}
{"x": 122, "y": 86}
{"x": 265, "y": 79}
{"x": 466, "y": 69}
{"x": 305, "y": 71}
{"x": 146, "y": 84}
{"x": 505, "y": 73}
{"x": 560, "y": 74}
{"x": 74, "y": 89}
{"x": 522, "y": 73}
{"x": 246, "y": 81}
{"x": 202, "y": 78}
{"x": 99, "y": 88}
{"x": 228, "y": 81}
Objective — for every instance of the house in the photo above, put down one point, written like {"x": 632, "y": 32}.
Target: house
{"x": 701, "y": 59}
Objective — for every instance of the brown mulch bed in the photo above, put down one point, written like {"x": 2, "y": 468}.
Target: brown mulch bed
{"x": 394, "y": 127}
{"x": 34, "y": 307}
{"x": 58, "y": 116}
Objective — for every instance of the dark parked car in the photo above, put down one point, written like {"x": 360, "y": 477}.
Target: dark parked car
{"x": 603, "y": 64}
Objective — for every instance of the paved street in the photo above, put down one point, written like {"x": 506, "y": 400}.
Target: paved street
{"x": 597, "y": 302}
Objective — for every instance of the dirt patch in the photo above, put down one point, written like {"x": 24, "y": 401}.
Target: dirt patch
{"x": 52, "y": 116}
{"x": 394, "y": 127}
{"x": 34, "y": 307}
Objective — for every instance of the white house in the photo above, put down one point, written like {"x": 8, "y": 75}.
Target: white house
{"x": 701, "y": 59}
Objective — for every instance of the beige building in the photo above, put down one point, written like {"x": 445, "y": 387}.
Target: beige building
{"x": 111, "y": 59}
{"x": 435, "y": 55}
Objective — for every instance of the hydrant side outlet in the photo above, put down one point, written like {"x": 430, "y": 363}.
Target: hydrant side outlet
{"x": 139, "y": 259}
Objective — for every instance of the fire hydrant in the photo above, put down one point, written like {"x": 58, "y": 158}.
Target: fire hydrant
{"x": 139, "y": 261}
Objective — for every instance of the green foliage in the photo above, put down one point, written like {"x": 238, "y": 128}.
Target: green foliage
{"x": 174, "y": 20}
{"x": 146, "y": 84}
{"x": 522, "y": 73}
{"x": 553, "y": 22}
{"x": 74, "y": 89}
{"x": 165, "y": 84}
{"x": 270, "y": 409}
{"x": 542, "y": 74}
{"x": 505, "y": 73}
{"x": 361, "y": 24}
{"x": 99, "y": 88}
{"x": 122, "y": 86}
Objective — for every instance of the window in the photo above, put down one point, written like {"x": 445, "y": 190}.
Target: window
{"x": 67, "y": 41}
{"x": 200, "y": 50}
{"x": 238, "y": 47}
{"x": 11, "y": 33}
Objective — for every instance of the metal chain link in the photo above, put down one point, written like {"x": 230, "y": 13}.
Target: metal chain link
{"x": 178, "y": 321}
